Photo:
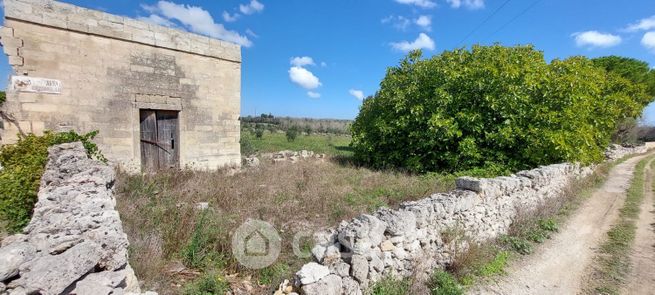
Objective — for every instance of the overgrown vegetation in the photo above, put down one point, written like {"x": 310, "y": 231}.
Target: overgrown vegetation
{"x": 493, "y": 106}
{"x": 166, "y": 230}
{"x": 22, "y": 167}
{"x": 612, "y": 265}
{"x": 391, "y": 286}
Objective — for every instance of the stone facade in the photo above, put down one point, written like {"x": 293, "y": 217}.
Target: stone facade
{"x": 75, "y": 242}
{"x": 111, "y": 67}
{"x": 423, "y": 235}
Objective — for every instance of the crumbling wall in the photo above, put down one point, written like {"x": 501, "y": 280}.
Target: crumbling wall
{"x": 75, "y": 242}
{"x": 418, "y": 236}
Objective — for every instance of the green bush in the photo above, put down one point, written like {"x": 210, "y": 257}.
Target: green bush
{"x": 23, "y": 165}
{"x": 493, "y": 108}
{"x": 259, "y": 132}
{"x": 292, "y": 133}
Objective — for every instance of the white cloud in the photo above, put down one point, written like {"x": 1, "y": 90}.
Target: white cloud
{"x": 303, "y": 78}
{"x": 596, "y": 39}
{"x": 252, "y": 7}
{"x": 648, "y": 41}
{"x": 642, "y": 25}
{"x": 197, "y": 20}
{"x": 157, "y": 20}
{"x": 323, "y": 64}
{"x": 301, "y": 61}
{"x": 399, "y": 22}
{"x": 423, "y": 41}
{"x": 251, "y": 33}
{"x": 230, "y": 17}
{"x": 419, "y": 3}
{"x": 357, "y": 93}
{"x": 424, "y": 21}
{"x": 470, "y": 4}
{"x": 313, "y": 94}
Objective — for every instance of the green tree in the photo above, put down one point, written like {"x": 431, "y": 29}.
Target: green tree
{"x": 292, "y": 133}
{"x": 632, "y": 69}
{"x": 493, "y": 107}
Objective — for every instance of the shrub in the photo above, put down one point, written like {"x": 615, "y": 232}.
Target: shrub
{"x": 292, "y": 133}
{"x": 23, "y": 165}
{"x": 493, "y": 106}
{"x": 259, "y": 132}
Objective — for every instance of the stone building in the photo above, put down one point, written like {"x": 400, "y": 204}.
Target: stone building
{"x": 159, "y": 97}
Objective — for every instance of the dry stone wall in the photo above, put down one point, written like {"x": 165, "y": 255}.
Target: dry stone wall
{"x": 419, "y": 236}
{"x": 615, "y": 151}
{"x": 75, "y": 242}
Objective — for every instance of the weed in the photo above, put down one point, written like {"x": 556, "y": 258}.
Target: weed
{"x": 209, "y": 284}
{"x": 520, "y": 245}
{"x": 273, "y": 274}
{"x": 495, "y": 266}
{"x": 391, "y": 286}
{"x": 443, "y": 283}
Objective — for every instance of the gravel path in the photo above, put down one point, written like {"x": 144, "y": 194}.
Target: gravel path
{"x": 559, "y": 265}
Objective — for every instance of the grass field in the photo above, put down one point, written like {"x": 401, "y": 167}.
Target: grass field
{"x": 335, "y": 145}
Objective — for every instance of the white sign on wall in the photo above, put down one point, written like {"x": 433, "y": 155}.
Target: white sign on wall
{"x": 33, "y": 84}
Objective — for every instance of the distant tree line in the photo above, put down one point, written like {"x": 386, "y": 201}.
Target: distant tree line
{"x": 258, "y": 124}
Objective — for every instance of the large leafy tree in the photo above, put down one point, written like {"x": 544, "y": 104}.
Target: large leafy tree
{"x": 492, "y": 107}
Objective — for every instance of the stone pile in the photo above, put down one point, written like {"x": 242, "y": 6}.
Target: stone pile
{"x": 75, "y": 242}
{"x": 423, "y": 235}
{"x": 294, "y": 156}
{"x": 616, "y": 151}
{"x": 283, "y": 156}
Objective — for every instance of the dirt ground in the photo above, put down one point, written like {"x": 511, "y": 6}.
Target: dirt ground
{"x": 560, "y": 264}
{"x": 642, "y": 280}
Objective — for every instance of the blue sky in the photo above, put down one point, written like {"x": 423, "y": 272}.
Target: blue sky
{"x": 319, "y": 58}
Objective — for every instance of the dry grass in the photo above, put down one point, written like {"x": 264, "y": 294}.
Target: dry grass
{"x": 159, "y": 215}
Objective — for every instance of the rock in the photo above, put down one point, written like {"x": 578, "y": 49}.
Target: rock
{"x": 362, "y": 233}
{"x": 312, "y": 272}
{"x": 202, "y": 205}
{"x": 100, "y": 283}
{"x": 12, "y": 256}
{"x": 318, "y": 252}
{"x": 342, "y": 269}
{"x": 55, "y": 273}
{"x": 387, "y": 246}
{"x": 359, "y": 268}
{"x": 329, "y": 285}
{"x": 350, "y": 287}
{"x": 251, "y": 161}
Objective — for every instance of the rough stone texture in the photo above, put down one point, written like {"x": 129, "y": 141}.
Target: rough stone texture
{"x": 615, "y": 151}
{"x": 110, "y": 68}
{"x": 412, "y": 239}
{"x": 75, "y": 241}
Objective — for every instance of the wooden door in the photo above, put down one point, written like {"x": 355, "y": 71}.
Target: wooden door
{"x": 159, "y": 140}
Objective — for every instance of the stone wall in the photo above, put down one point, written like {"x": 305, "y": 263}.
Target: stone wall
{"x": 615, "y": 151}
{"x": 75, "y": 242}
{"x": 111, "y": 67}
{"x": 419, "y": 236}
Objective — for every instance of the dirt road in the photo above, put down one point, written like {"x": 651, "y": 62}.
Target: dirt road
{"x": 558, "y": 266}
{"x": 642, "y": 278}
